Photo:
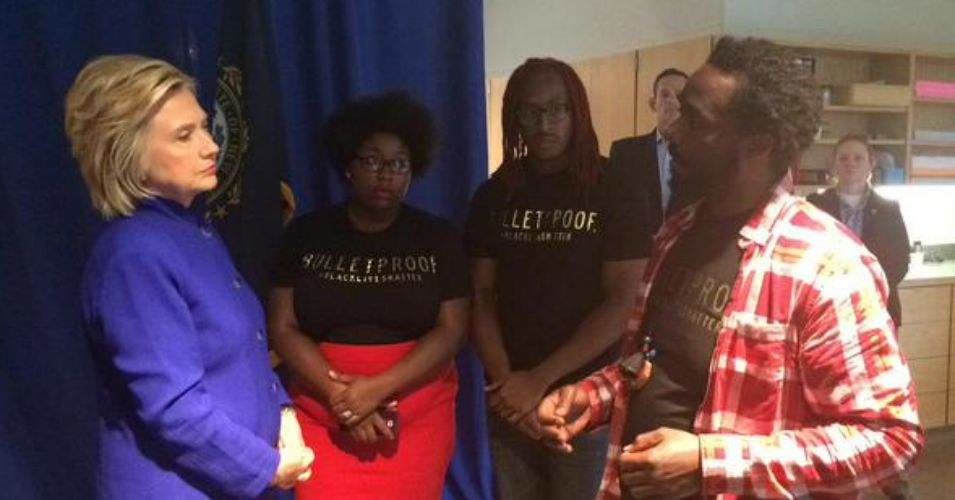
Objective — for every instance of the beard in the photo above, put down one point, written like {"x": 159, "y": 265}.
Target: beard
{"x": 717, "y": 175}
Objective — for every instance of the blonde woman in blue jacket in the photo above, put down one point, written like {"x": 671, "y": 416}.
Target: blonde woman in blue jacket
{"x": 188, "y": 404}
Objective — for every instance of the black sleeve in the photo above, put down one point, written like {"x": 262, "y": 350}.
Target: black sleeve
{"x": 625, "y": 231}
{"x": 896, "y": 261}
{"x": 454, "y": 276}
{"x": 480, "y": 236}
{"x": 286, "y": 269}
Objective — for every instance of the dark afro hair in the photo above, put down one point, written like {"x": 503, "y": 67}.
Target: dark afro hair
{"x": 776, "y": 96}
{"x": 393, "y": 113}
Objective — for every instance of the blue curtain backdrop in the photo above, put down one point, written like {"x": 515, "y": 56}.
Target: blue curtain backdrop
{"x": 300, "y": 61}
{"x": 47, "y": 409}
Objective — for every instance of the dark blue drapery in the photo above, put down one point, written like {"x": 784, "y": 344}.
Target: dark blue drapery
{"x": 329, "y": 52}
{"x": 47, "y": 411}
{"x": 318, "y": 54}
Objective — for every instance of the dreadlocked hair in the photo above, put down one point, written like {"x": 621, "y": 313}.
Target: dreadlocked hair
{"x": 583, "y": 153}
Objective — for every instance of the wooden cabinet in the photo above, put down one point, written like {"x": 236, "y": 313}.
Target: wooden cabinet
{"x": 951, "y": 368}
{"x": 495, "y": 133}
{"x": 932, "y": 408}
{"x": 925, "y": 338}
{"x": 925, "y": 304}
{"x": 930, "y": 374}
{"x": 686, "y": 55}
{"x": 611, "y": 90}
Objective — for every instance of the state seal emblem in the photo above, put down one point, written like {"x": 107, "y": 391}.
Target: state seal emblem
{"x": 230, "y": 129}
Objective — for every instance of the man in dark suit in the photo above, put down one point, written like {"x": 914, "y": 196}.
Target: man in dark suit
{"x": 644, "y": 162}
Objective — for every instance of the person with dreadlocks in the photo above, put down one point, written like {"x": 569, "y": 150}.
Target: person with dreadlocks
{"x": 556, "y": 253}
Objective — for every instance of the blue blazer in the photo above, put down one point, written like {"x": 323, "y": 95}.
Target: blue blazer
{"x": 189, "y": 405}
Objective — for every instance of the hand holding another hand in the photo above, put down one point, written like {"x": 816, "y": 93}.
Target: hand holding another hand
{"x": 361, "y": 396}
{"x": 370, "y": 430}
{"x": 562, "y": 416}
{"x": 529, "y": 426}
{"x": 516, "y": 395}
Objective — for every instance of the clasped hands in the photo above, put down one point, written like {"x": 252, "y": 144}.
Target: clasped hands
{"x": 295, "y": 459}
{"x": 515, "y": 396}
{"x": 357, "y": 402}
{"x": 664, "y": 463}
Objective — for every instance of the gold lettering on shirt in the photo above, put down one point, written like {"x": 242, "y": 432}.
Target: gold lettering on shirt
{"x": 411, "y": 268}
{"x": 694, "y": 297}
{"x": 546, "y": 226}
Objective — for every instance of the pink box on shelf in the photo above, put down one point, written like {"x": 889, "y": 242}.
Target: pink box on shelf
{"x": 935, "y": 90}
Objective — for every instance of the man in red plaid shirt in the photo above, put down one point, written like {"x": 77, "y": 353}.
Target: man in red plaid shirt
{"x": 775, "y": 369}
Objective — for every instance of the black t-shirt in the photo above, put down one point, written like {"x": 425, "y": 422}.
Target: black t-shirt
{"x": 549, "y": 240}
{"x": 684, "y": 315}
{"x": 386, "y": 287}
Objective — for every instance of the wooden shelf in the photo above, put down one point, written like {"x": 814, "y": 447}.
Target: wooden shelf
{"x": 934, "y": 144}
{"x": 926, "y": 100}
{"x": 939, "y": 173}
{"x": 874, "y": 142}
{"x": 866, "y": 109}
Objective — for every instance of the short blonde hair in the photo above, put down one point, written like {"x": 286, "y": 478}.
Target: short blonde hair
{"x": 107, "y": 110}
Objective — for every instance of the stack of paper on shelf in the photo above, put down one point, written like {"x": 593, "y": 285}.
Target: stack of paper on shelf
{"x": 928, "y": 89}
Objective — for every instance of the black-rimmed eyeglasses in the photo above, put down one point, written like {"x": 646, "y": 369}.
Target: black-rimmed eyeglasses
{"x": 376, "y": 165}
{"x": 530, "y": 115}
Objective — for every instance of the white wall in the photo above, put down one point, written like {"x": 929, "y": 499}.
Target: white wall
{"x": 574, "y": 30}
{"x": 581, "y": 29}
{"x": 927, "y": 211}
{"x": 906, "y": 25}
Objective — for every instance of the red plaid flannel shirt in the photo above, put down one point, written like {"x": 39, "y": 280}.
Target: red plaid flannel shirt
{"x": 808, "y": 392}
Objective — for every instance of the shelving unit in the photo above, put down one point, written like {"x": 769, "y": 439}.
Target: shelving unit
{"x": 618, "y": 86}
{"x": 925, "y": 100}
{"x": 887, "y": 126}
{"x": 890, "y": 128}
{"x": 864, "y": 109}
{"x": 874, "y": 142}
{"x": 932, "y": 114}
{"x": 932, "y": 144}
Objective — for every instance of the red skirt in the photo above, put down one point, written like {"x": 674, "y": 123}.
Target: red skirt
{"x": 410, "y": 467}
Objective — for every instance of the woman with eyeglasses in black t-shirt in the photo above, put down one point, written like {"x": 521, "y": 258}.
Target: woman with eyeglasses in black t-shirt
{"x": 370, "y": 303}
